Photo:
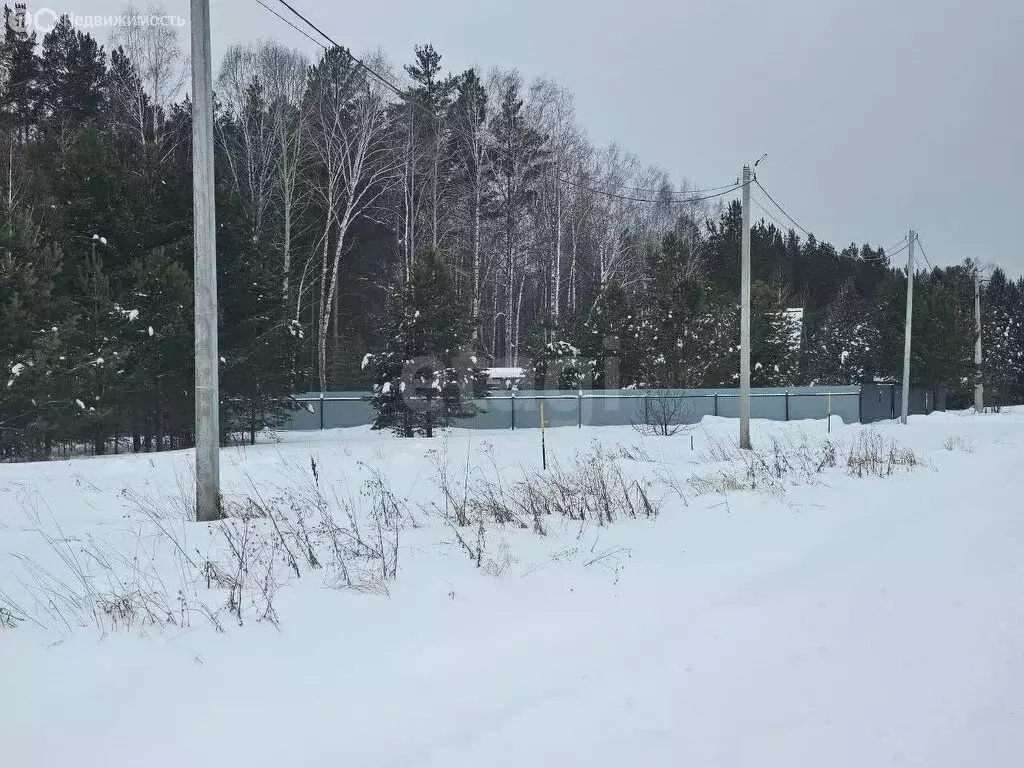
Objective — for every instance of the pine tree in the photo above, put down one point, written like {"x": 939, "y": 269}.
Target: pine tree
{"x": 1002, "y": 311}
{"x": 73, "y": 77}
{"x": 774, "y": 338}
{"x": 684, "y": 332}
{"x": 842, "y": 349}
{"x": 422, "y": 378}
{"x": 20, "y": 96}
{"x": 259, "y": 343}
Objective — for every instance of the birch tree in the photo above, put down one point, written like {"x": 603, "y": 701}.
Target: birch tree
{"x": 161, "y": 70}
{"x": 348, "y": 123}
{"x": 519, "y": 159}
{"x": 469, "y": 125}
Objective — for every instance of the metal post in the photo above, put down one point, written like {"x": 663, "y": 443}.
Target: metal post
{"x": 579, "y": 409}
{"x": 513, "y": 411}
{"x": 787, "y": 405}
{"x": 979, "y": 387}
{"x": 716, "y": 403}
{"x": 745, "y": 317}
{"x": 205, "y": 271}
{"x": 828, "y": 400}
{"x": 321, "y": 411}
{"x": 543, "y": 445}
{"x": 909, "y": 323}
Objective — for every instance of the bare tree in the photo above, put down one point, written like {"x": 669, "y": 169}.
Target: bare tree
{"x": 248, "y": 134}
{"x": 519, "y": 159}
{"x": 552, "y": 109}
{"x": 161, "y": 68}
{"x": 663, "y": 413}
{"x": 348, "y": 119}
{"x": 261, "y": 87}
{"x": 469, "y": 125}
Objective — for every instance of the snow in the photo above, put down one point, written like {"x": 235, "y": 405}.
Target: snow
{"x": 504, "y": 373}
{"x": 850, "y": 623}
{"x": 79, "y": 403}
{"x": 150, "y": 329}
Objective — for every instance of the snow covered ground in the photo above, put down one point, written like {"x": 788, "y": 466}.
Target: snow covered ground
{"x": 823, "y": 619}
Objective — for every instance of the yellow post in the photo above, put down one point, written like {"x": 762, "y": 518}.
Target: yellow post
{"x": 543, "y": 447}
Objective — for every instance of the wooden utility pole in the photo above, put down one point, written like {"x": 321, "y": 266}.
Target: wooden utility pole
{"x": 979, "y": 387}
{"x": 745, "y": 317}
{"x": 909, "y": 323}
{"x": 205, "y": 272}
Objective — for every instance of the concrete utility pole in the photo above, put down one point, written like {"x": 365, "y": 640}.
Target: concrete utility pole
{"x": 979, "y": 388}
{"x": 205, "y": 273}
{"x": 745, "y": 317}
{"x": 906, "y": 344}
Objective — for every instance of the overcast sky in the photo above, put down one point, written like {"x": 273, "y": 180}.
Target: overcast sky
{"x": 876, "y": 115}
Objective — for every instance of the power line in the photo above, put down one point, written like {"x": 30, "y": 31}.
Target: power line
{"x": 858, "y": 258}
{"x": 917, "y": 237}
{"x": 764, "y": 210}
{"x": 702, "y": 194}
{"x": 348, "y": 53}
{"x": 629, "y": 198}
{"x": 298, "y": 29}
{"x": 648, "y": 191}
{"x": 900, "y": 250}
{"x": 898, "y": 243}
{"x": 759, "y": 186}
{"x": 404, "y": 95}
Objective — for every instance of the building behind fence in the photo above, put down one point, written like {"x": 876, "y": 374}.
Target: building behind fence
{"x": 591, "y": 408}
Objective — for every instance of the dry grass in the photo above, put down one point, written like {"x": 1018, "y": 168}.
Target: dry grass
{"x": 593, "y": 489}
{"x": 786, "y": 462}
{"x": 958, "y": 443}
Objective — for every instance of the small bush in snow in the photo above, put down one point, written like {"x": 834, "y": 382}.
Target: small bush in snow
{"x": 958, "y": 443}
{"x": 871, "y": 456}
{"x": 662, "y": 415}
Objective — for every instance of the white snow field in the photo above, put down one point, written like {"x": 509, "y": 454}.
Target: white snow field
{"x": 821, "y": 619}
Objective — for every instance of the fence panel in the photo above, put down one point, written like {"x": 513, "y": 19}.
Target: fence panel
{"x": 559, "y": 411}
{"x": 353, "y": 412}
{"x": 491, "y": 413}
{"x": 845, "y": 405}
{"x": 622, "y": 408}
{"x": 307, "y": 417}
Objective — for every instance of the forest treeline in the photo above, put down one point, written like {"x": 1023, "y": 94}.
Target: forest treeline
{"x": 469, "y": 211}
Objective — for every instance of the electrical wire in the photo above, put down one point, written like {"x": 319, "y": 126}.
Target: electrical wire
{"x": 702, "y": 194}
{"x": 403, "y": 94}
{"x": 898, "y": 243}
{"x": 765, "y": 211}
{"x": 629, "y": 198}
{"x": 765, "y": 191}
{"x": 917, "y": 237}
{"x": 648, "y": 191}
{"x": 298, "y": 29}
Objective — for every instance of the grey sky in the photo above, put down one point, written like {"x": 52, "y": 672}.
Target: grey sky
{"x": 877, "y": 115}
